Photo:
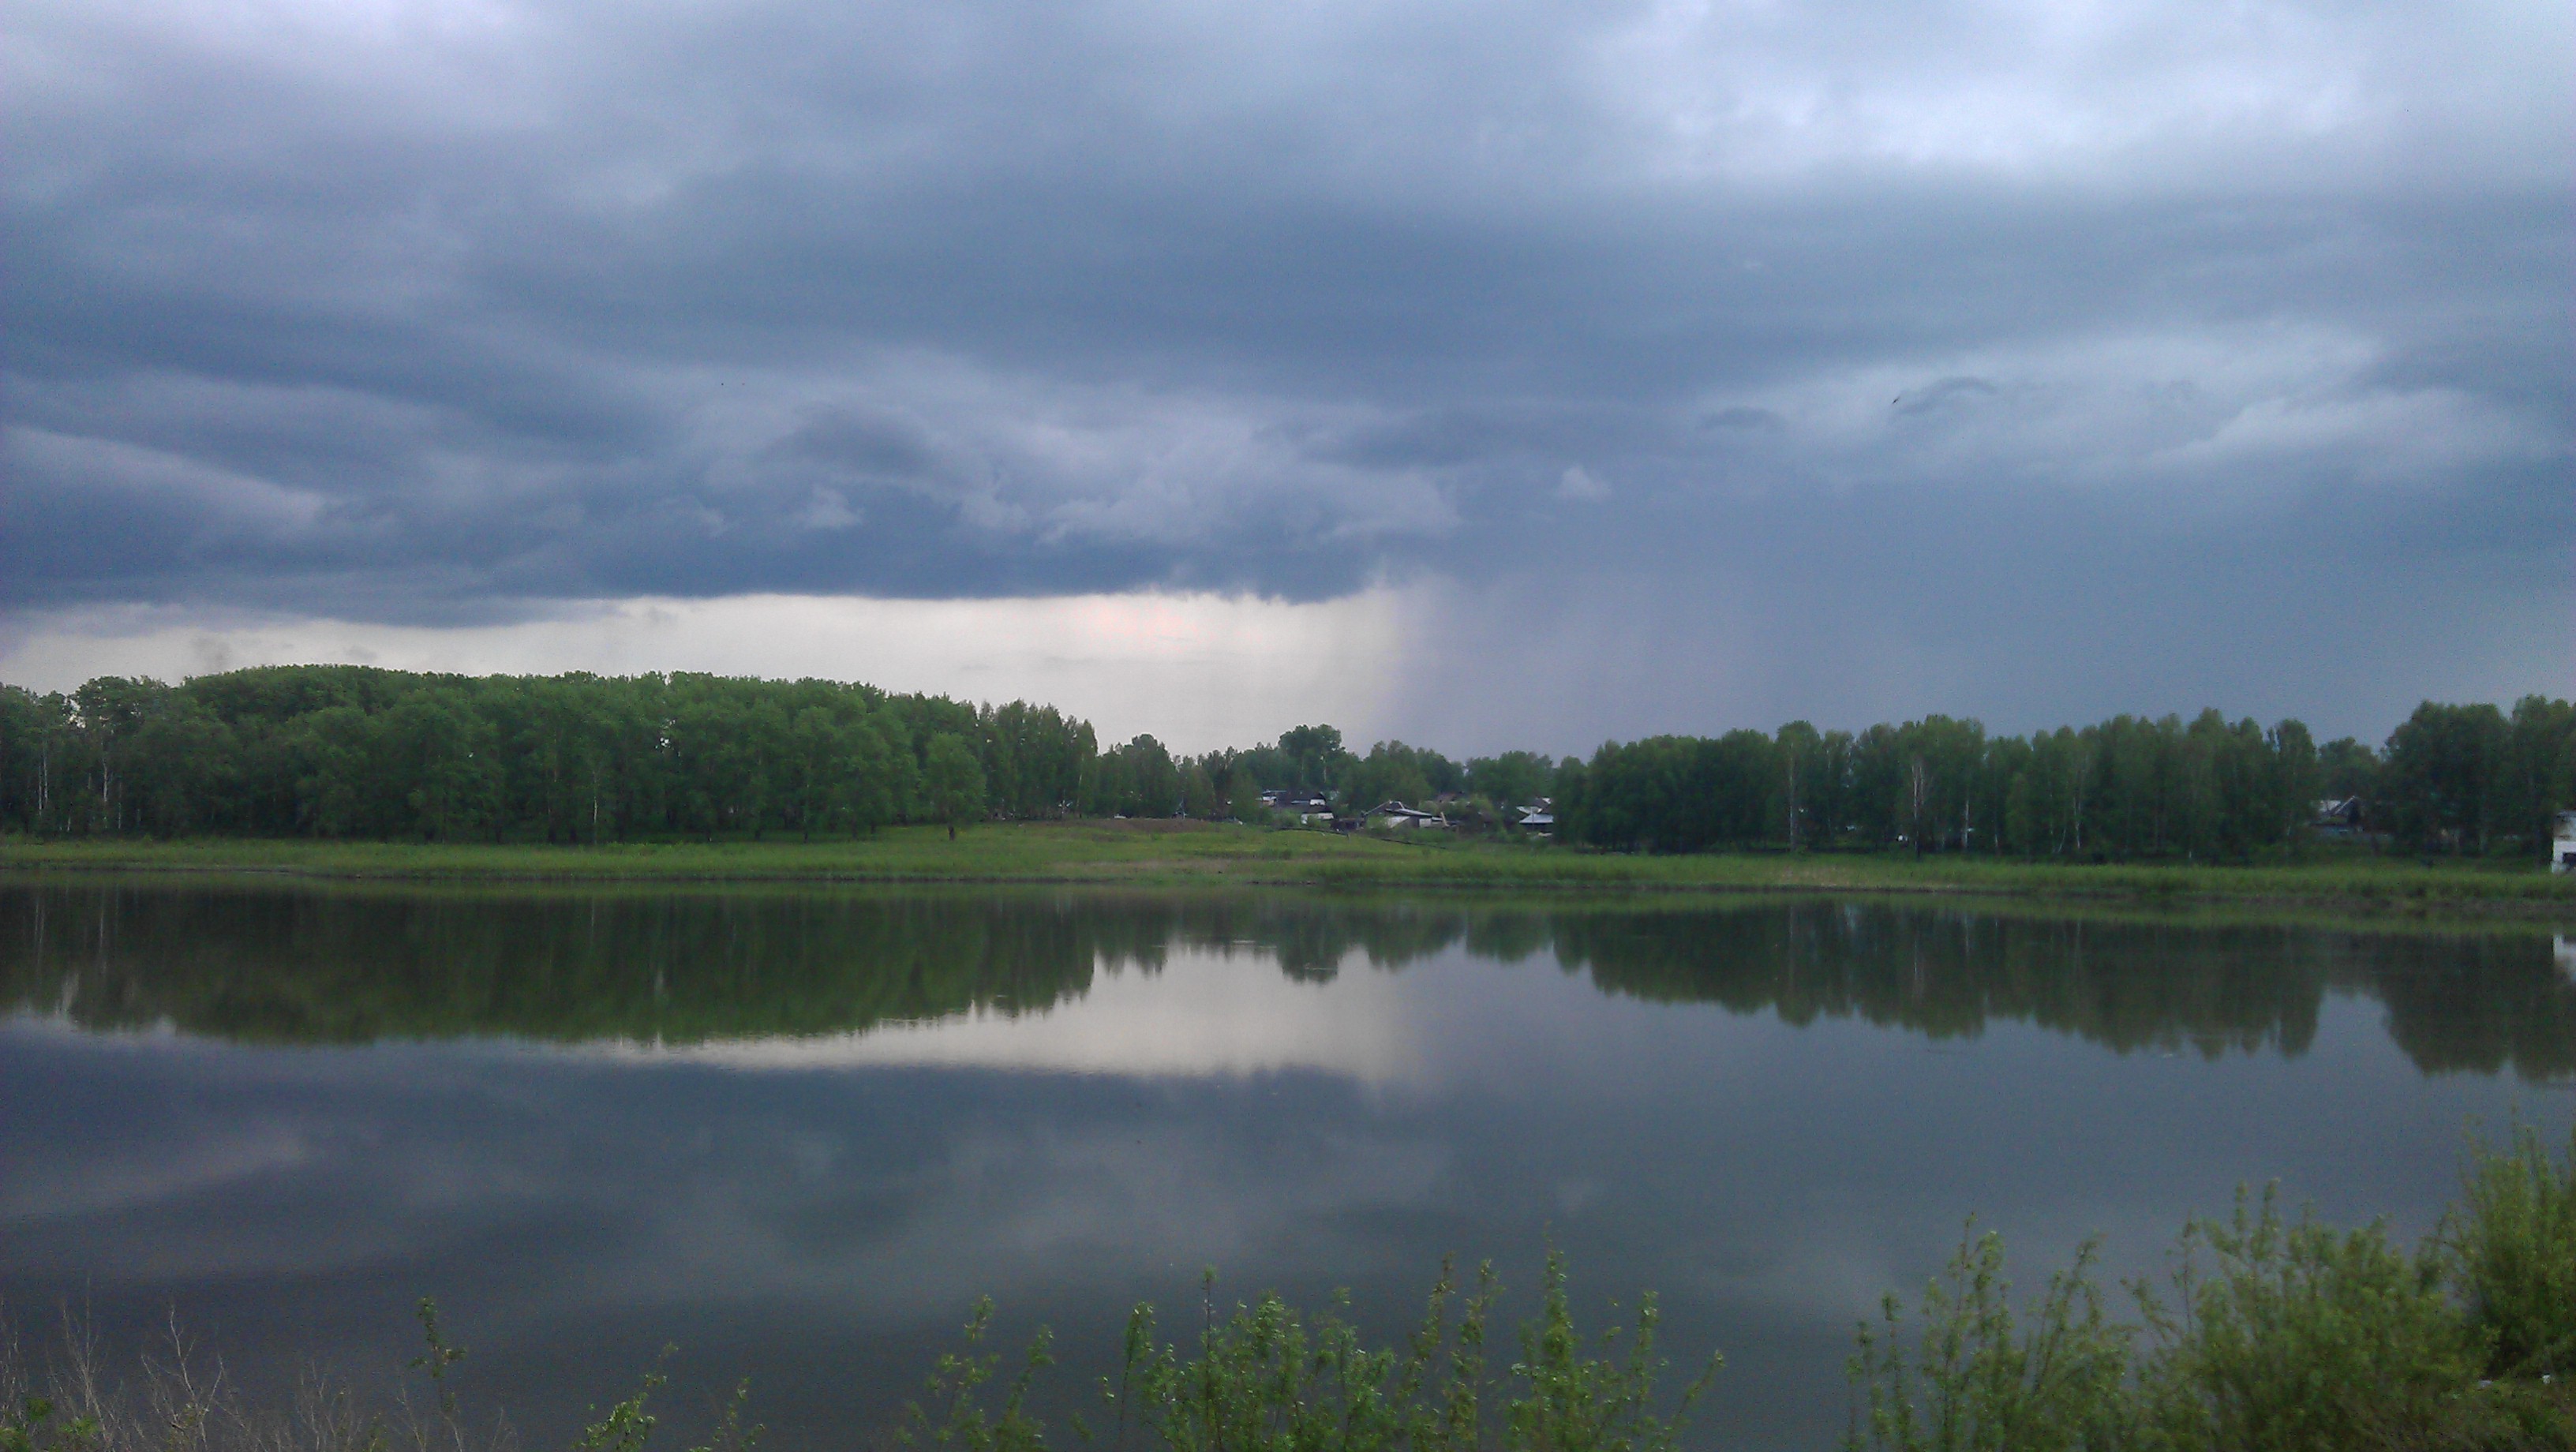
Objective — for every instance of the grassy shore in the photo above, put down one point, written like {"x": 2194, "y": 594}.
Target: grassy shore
{"x": 1174, "y": 853}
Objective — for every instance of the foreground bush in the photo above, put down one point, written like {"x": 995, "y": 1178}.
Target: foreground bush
{"x": 2293, "y": 1336}
{"x": 1267, "y": 1379}
{"x": 2269, "y": 1335}
{"x": 1981, "y": 1380}
{"x": 2513, "y": 1245}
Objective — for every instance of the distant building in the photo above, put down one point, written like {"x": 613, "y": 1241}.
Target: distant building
{"x": 1537, "y": 821}
{"x": 2562, "y": 847}
{"x": 1308, "y": 808}
{"x": 1396, "y": 816}
{"x": 2341, "y": 816}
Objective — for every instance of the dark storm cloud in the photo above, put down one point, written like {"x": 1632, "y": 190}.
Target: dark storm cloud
{"x": 423, "y": 309}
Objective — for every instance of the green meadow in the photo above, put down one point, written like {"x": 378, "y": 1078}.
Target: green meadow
{"x": 1179, "y": 852}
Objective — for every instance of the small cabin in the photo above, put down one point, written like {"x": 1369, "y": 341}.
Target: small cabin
{"x": 1398, "y": 816}
{"x": 1305, "y": 807}
{"x": 2562, "y": 845}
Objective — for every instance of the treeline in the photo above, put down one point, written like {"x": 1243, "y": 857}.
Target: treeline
{"x": 360, "y": 752}
{"x": 354, "y": 751}
{"x": 2456, "y": 779}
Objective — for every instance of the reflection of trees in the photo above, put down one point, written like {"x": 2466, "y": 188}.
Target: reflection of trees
{"x": 301, "y": 966}
{"x": 2481, "y": 1002}
{"x": 325, "y": 967}
{"x": 1946, "y": 974}
{"x": 2480, "y": 1005}
{"x": 290, "y": 967}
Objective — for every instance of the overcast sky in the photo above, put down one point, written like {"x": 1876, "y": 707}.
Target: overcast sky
{"x": 1513, "y": 373}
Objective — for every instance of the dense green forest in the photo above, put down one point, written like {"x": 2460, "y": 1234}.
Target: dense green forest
{"x": 358, "y": 752}
{"x": 2456, "y": 779}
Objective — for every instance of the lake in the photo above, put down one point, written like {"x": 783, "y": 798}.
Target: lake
{"x": 794, "y": 1133}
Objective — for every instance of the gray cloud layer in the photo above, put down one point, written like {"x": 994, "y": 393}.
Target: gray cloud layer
{"x": 1927, "y": 342}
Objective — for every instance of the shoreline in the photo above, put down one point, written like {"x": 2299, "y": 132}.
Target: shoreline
{"x": 1178, "y": 855}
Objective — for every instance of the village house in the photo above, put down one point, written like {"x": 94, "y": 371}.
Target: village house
{"x": 1308, "y": 808}
{"x": 1396, "y": 816}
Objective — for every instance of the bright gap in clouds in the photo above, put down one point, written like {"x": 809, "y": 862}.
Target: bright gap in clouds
{"x": 1197, "y": 671}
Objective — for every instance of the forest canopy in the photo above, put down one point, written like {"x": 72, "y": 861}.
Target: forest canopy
{"x": 360, "y": 752}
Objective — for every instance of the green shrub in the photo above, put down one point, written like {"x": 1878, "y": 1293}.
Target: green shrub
{"x": 2512, "y": 1249}
{"x": 962, "y": 1424}
{"x": 27, "y": 1424}
{"x": 1576, "y": 1403}
{"x": 1264, "y": 1380}
{"x": 1261, "y": 1382}
{"x": 1979, "y": 1381}
{"x": 2294, "y": 1337}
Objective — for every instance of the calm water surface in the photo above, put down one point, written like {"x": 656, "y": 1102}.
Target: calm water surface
{"x": 797, "y": 1133}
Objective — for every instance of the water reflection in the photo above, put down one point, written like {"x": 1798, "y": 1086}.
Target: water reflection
{"x": 797, "y": 1132}
{"x": 707, "y": 969}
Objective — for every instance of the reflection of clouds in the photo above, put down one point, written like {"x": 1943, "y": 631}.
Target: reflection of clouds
{"x": 1205, "y": 1014}
{"x": 1199, "y": 1114}
{"x": 100, "y": 1179}
{"x": 1003, "y": 1210}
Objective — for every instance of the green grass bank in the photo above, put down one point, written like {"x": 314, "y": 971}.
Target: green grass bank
{"x": 1177, "y": 853}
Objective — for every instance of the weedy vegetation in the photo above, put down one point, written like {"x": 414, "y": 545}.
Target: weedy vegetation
{"x": 2267, "y": 1333}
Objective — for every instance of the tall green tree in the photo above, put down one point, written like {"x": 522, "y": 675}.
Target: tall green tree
{"x": 953, "y": 781}
{"x": 2444, "y": 775}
